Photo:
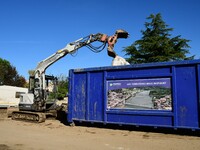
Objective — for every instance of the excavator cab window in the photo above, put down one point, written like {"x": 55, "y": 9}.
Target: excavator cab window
{"x": 31, "y": 84}
{"x": 51, "y": 88}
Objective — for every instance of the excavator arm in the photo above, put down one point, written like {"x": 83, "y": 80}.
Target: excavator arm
{"x": 86, "y": 41}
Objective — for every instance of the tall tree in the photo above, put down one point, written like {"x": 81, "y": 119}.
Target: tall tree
{"x": 9, "y": 75}
{"x": 156, "y": 44}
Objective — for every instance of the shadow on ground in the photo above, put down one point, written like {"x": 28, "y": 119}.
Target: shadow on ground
{"x": 62, "y": 117}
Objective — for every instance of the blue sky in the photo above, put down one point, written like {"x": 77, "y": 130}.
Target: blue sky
{"x": 32, "y": 30}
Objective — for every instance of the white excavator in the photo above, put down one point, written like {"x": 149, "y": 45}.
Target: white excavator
{"x": 33, "y": 105}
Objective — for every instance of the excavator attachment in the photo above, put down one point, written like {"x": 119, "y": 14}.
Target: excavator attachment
{"x": 122, "y": 34}
{"x": 113, "y": 39}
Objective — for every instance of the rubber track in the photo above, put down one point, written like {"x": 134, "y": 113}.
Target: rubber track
{"x": 29, "y": 116}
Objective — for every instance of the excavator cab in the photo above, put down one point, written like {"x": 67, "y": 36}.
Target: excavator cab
{"x": 49, "y": 94}
{"x": 50, "y": 81}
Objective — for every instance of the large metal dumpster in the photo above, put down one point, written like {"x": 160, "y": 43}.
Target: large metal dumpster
{"x": 155, "y": 94}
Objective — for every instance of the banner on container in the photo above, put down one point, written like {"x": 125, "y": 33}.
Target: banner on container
{"x": 139, "y": 94}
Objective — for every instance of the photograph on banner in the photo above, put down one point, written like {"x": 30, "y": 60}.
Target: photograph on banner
{"x": 140, "y": 94}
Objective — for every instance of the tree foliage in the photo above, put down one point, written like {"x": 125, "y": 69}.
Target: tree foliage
{"x": 157, "y": 45}
{"x": 9, "y": 75}
{"x": 62, "y": 87}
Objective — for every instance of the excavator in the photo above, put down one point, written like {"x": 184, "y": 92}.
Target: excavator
{"x": 33, "y": 105}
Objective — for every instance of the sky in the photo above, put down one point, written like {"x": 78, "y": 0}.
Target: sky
{"x": 32, "y": 30}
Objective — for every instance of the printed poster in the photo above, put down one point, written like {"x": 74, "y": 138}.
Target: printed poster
{"x": 139, "y": 94}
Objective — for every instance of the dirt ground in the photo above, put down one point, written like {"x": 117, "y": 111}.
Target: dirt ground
{"x": 52, "y": 135}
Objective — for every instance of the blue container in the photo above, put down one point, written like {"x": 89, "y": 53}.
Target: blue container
{"x": 155, "y": 94}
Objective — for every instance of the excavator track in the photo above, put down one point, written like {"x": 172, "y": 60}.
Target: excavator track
{"x": 29, "y": 116}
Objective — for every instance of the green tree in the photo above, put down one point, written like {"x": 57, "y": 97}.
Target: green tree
{"x": 156, "y": 44}
{"x": 9, "y": 75}
{"x": 62, "y": 87}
